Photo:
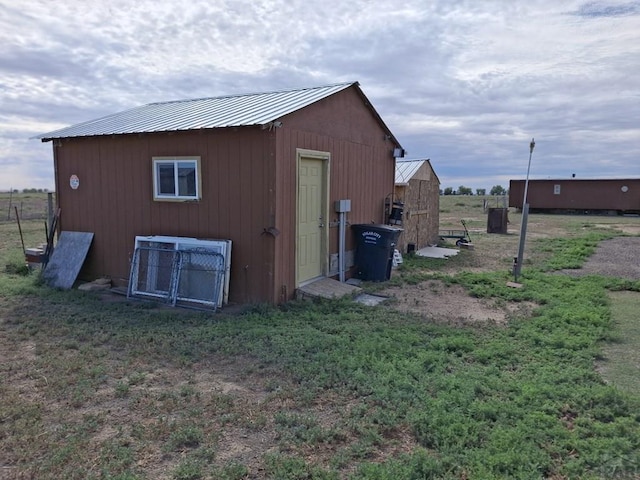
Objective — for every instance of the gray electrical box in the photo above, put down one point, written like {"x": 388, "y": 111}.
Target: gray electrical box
{"x": 342, "y": 206}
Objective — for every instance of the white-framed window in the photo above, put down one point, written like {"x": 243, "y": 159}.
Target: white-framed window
{"x": 556, "y": 189}
{"x": 176, "y": 178}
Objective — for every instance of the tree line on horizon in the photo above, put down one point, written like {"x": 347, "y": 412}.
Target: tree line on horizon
{"x": 496, "y": 190}
{"x": 28, "y": 190}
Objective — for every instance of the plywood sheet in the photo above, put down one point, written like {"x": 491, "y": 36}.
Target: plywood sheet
{"x": 67, "y": 259}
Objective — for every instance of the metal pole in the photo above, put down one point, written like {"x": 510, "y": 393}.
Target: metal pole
{"x": 532, "y": 145}
{"x": 525, "y": 216}
{"x": 341, "y": 245}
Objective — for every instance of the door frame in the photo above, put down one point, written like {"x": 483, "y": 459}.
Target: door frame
{"x": 325, "y": 157}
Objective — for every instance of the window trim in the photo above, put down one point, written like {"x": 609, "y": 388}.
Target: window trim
{"x": 176, "y": 197}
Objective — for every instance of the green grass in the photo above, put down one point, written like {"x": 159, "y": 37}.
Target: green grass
{"x": 621, "y": 356}
{"x": 571, "y": 252}
{"x": 321, "y": 390}
{"x": 520, "y": 402}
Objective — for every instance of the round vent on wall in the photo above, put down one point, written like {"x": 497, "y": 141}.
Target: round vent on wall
{"x": 624, "y": 189}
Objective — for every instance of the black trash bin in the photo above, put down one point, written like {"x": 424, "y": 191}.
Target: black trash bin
{"x": 375, "y": 245}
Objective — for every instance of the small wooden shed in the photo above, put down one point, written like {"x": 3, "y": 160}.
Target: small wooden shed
{"x": 263, "y": 171}
{"x": 418, "y": 187}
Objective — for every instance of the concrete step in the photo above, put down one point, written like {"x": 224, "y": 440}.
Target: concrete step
{"x": 327, "y": 288}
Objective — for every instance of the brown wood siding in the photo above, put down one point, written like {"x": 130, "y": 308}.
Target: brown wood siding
{"x": 577, "y": 194}
{"x": 421, "y": 216}
{"x": 248, "y": 186}
{"x": 115, "y": 200}
{"x": 362, "y": 169}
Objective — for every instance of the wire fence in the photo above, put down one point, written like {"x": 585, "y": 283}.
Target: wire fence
{"x": 191, "y": 277}
{"x": 496, "y": 201}
{"x": 29, "y": 206}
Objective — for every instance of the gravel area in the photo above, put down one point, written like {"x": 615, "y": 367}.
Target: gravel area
{"x": 618, "y": 257}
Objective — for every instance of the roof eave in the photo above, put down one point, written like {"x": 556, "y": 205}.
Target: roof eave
{"x": 149, "y": 132}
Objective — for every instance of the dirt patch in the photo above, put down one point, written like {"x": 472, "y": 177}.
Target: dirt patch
{"x": 451, "y": 304}
{"x": 628, "y": 229}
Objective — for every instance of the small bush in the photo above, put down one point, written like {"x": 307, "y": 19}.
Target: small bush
{"x": 17, "y": 268}
{"x": 186, "y": 437}
{"x": 188, "y": 470}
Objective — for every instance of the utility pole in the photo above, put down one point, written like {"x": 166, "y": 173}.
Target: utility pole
{"x": 517, "y": 266}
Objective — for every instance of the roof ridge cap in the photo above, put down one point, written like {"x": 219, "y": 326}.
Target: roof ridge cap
{"x": 253, "y": 94}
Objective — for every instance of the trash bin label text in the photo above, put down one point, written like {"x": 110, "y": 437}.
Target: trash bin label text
{"x": 371, "y": 237}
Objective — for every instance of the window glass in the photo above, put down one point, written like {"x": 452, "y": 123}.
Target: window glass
{"x": 176, "y": 178}
{"x": 166, "y": 181}
{"x": 187, "y": 179}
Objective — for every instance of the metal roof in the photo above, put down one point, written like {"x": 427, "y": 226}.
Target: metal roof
{"x": 216, "y": 112}
{"x": 406, "y": 169}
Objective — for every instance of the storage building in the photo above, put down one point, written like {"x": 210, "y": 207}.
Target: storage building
{"x": 417, "y": 188}
{"x": 262, "y": 171}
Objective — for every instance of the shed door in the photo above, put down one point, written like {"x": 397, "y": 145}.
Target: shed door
{"x": 311, "y": 221}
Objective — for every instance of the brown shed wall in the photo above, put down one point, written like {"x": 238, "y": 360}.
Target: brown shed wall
{"x": 577, "y": 194}
{"x": 115, "y": 199}
{"x": 249, "y": 178}
{"x": 362, "y": 169}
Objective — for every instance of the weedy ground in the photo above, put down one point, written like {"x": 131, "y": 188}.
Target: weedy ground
{"x": 97, "y": 388}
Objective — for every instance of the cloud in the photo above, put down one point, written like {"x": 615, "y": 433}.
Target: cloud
{"x": 464, "y": 83}
{"x": 607, "y": 9}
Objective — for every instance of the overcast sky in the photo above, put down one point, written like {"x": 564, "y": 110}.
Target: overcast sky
{"x": 466, "y": 83}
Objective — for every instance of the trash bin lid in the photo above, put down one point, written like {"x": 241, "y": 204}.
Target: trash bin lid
{"x": 377, "y": 227}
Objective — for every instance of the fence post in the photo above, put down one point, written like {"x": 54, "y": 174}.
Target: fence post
{"x": 10, "y": 197}
{"x": 50, "y": 209}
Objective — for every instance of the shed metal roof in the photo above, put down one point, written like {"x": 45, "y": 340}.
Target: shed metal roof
{"x": 406, "y": 169}
{"x": 216, "y": 112}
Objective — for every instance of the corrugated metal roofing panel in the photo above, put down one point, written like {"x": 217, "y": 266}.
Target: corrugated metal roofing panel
{"x": 406, "y": 169}
{"x": 216, "y": 112}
